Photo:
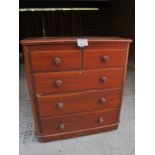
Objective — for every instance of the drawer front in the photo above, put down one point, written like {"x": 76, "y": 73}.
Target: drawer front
{"x": 55, "y": 60}
{"x": 78, "y": 102}
{"x": 62, "y": 82}
{"x": 73, "y": 122}
{"x": 103, "y": 58}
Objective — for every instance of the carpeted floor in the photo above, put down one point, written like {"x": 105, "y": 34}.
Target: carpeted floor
{"x": 118, "y": 142}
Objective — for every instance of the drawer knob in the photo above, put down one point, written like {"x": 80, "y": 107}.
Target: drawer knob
{"x": 61, "y": 126}
{"x": 58, "y": 83}
{"x": 102, "y": 100}
{"x": 57, "y": 60}
{"x": 104, "y": 79}
{"x": 100, "y": 120}
{"x": 60, "y": 105}
{"x": 105, "y": 58}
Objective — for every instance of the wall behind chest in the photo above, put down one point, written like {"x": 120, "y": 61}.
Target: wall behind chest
{"x": 62, "y": 23}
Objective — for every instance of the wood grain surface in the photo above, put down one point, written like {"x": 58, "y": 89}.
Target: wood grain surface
{"x": 75, "y": 91}
{"x": 45, "y": 61}
{"x": 78, "y": 81}
{"x": 78, "y": 121}
{"x": 69, "y": 103}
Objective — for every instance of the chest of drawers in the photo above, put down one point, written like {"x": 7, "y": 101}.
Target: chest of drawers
{"x": 75, "y": 90}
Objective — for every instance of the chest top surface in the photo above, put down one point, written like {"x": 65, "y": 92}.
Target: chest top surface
{"x": 58, "y": 40}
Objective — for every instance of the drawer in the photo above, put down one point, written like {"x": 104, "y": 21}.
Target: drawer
{"x": 55, "y": 60}
{"x": 62, "y": 82}
{"x": 103, "y": 58}
{"x": 74, "y": 122}
{"x": 78, "y": 102}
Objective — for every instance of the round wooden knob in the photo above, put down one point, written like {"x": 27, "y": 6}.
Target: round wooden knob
{"x": 61, "y": 126}
{"x": 102, "y": 100}
{"x": 100, "y": 120}
{"x": 104, "y": 79}
{"x": 60, "y": 105}
{"x": 105, "y": 58}
{"x": 57, "y": 60}
{"x": 58, "y": 83}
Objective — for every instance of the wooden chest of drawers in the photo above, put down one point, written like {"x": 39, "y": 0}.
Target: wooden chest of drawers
{"x": 75, "y": 90}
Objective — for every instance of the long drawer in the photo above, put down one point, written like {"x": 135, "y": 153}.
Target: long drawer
{"x": 61, "y": 82}
{"x": 51, "y": 105}
{"x": 74, "y": 122}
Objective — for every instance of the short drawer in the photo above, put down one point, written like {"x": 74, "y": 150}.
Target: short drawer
{"x": 62, "y": 82}
{"x": 103, "y": 58}
{"x": 74, "y": 122}
{"x": 55, "y": 60}
{"x": 78, "y": 102}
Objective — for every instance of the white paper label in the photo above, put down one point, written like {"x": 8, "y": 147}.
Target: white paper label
{"x": 82, "y": 42}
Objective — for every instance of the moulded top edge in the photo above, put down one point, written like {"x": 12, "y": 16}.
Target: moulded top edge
{"x": 58, "y": 40}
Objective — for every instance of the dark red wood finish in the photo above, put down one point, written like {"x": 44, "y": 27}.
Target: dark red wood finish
{"x": 32, "y": 93}
{"x": 103, "y": 58}
{"x": 59, "y": 104}
{"x": 75, "y": 91}
{"x": 46, "y": 83}
{"x": 78, "y": 121}
{"x": 78, "y": 133}
{"x": 57, "y": 60}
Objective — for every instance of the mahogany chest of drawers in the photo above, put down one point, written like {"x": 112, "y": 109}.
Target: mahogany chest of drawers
{"x": 75, "y": 90}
